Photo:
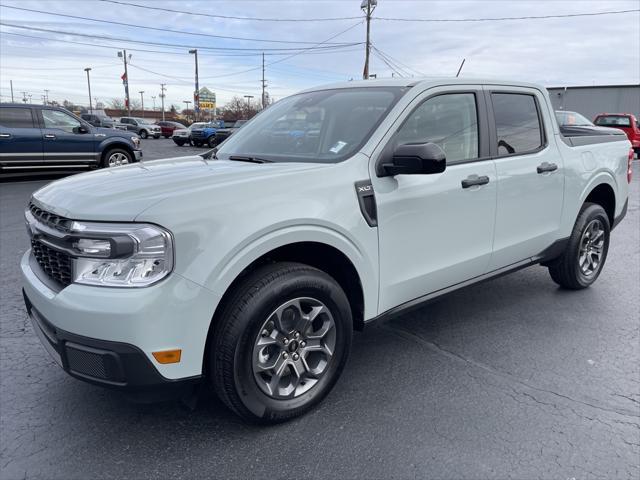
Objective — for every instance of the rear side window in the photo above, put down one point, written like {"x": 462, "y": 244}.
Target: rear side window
{"x": 518, "y": 126}
{"x": 613, "y": 121}
{"x": 16, "y": 117}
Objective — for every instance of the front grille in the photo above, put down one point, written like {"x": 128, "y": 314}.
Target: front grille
{"x": 55, "y": 263}
{"x": 86, "y": 363}
{"x": 50, "y": 219}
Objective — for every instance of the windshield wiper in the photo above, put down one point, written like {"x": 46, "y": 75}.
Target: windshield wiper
{"x": 245, "y": 158}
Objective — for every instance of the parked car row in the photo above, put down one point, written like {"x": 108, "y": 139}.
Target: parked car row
{"x": 207, "y": 134}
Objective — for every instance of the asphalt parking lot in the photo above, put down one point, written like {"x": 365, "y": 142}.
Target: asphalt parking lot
{"x": 513, "y": 378}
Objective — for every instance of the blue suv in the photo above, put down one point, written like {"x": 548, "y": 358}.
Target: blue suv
{"x": 34, "y": 138}
{"x": 206, "y": 135}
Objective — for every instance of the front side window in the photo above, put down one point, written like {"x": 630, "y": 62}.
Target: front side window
{"x": 517, "y": 123}
{"x": 16, "y": 117}
{"x": 324, "y": 126}
{"x": 450, "y": 121}
{"x": 59, "y": 120}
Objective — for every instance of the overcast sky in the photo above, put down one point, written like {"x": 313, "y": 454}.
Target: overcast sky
{"x": 592, "y": 50}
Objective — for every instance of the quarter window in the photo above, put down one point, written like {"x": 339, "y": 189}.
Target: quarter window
{"x": 16, "y": 117}
{"x": 59, "y": 120}
{"x": 518, "y": 126}
{"x": 450, "y": 121}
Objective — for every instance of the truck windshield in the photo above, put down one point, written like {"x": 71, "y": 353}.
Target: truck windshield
{"x": 325, "y": 126}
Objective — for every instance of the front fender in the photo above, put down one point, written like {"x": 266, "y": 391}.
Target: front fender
{"x": 261, "y": 243}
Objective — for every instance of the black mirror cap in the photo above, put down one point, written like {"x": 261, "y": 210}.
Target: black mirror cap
{"x": 416, "y": 159}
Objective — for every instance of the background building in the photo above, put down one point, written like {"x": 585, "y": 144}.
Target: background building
{"x": 589, "y": 101}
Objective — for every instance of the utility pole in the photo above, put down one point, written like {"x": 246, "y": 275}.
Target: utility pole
{"x": 153, "y": 98}
{"x": 196, "y": 94}
{"x": 11, "y": 83}
{"x": 264, "y": 84}
{"x": 125, "y": 80}
{"x": 89, "y": 85}
{"x": 46, "y": 92}
{"x": 24, "y": 97}
{"x": 368, "y": 6}
{"x": 141, "y": 92}
{"x": 162, "y": 95}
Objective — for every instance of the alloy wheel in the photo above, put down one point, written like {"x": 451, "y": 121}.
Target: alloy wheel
{"x": 117, "y": 158}
{"x": 294, "y": 348}
{"x": 591, "y": 248}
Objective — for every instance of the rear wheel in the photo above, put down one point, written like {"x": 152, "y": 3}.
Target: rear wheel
{"x": 586, "y": 252}
{"x": 116, "y": 157}
{"x": 281, "y": 342}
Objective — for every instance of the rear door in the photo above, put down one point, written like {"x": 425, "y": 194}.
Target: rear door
{"x": 20, "y": 139}
{"x": 64, "y": 142}
{"x": 530, "y": 174}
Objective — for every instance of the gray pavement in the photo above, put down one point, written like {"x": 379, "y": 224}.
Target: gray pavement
{"x": 514, "y": 378}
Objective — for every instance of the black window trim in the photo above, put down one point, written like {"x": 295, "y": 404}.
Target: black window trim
{"x": 481, "y": 118}
{"x": 34, "y": 117}
{"x": 493, "y": 131}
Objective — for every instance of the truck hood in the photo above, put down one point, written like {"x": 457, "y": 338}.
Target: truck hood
{"x": 122, "y": 193}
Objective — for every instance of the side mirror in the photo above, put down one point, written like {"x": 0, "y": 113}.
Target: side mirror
{"x": 82, "y": 129}
{"x": 415, "y": 159}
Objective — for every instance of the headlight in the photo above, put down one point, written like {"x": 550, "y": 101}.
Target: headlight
{"x": 136, "y": 141}
{"x": 120, "y": 255}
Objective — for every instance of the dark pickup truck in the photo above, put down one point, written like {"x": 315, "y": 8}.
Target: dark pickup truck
{"x": 223, "y": 133}
{"x": 34, "y": 138}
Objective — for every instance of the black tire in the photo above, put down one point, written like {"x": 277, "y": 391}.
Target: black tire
{"x": 156, "y": 136}
{"x": 211, "y": 141}
{"x": 167, "y": 136}
{"x": 566, "y": 270}
{"x": 109, "y": 155}
{"x": 179, "y": 142}
{"x": 197, "y": 143}
{"x": 143, "y": 134}
{"x": 238, "y": 327}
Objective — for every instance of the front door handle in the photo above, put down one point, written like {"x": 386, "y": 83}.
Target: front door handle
{"x": 473, "y": 180}
{"x": 5, "y": 135}
{"x": 49, "y": 135}
{"x": 545, "y": 167}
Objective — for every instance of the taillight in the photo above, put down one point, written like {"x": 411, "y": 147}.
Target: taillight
{"x": 629, "y": 165}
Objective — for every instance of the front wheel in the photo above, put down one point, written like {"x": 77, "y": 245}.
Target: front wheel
{"x": 582, "y": 261}
{"x": 211, "y": 141}
{"x": 116, "y": 157}
{"x": 280, "y": 343}
{"x": 143, "y": 134}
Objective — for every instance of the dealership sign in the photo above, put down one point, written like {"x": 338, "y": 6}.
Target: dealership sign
{"x": 207, "y": 99}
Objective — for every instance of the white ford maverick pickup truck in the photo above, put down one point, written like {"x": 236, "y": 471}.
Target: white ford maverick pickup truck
{"x": 250, "y": 266}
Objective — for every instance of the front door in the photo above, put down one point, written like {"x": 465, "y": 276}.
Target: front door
{"x": 436, "y": 231}
{"x": 64, "y": 142}
{"x": 530, "y": 175}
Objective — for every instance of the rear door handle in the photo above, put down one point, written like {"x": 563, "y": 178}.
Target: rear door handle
{"x": 5, "y": 135}
{"x": 49, "y": 135}
{"x": 473, "y": 180}
{"x": 545, "y": 167}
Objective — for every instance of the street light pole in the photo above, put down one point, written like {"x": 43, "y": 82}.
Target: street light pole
{"x": 141, "y": 92}
{"x": 368, "y": 6}
{"x": 187, "y": 102}
{"x": 89, "y": 85}
{"x": 153, "y": 97}
{"x": 248, "y": 97}
{"x": 196, "y": 94}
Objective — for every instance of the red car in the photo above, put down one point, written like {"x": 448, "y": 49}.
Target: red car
{"x": 168, "y": 128}
{"x": 625, "y": 122}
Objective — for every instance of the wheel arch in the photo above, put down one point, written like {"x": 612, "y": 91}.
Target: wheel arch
{"x": 106, "y": 148}
{"x": 603, "y": 194}
{"x": 322, "y": 256}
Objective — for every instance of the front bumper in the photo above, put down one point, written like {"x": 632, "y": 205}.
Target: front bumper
{"x": 106, "y": 336}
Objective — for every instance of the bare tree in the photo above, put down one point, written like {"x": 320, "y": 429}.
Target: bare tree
{"x": 239, "y": 108}
{"x": 117, "y": 104}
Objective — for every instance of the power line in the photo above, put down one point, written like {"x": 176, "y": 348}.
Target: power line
{"x": 165, "y": 30}
{"x": 381, "y": 57}
{"x": 502, "y": 19}
{"x": 230, "y": 17}
{"x": 204, "y": 47}
{"x": 403, "y": 66}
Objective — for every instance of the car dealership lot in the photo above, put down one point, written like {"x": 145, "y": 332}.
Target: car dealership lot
{"x": 509, "y": 378}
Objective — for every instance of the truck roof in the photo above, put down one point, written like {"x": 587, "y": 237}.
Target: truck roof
{"x": 425, "y": 82}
